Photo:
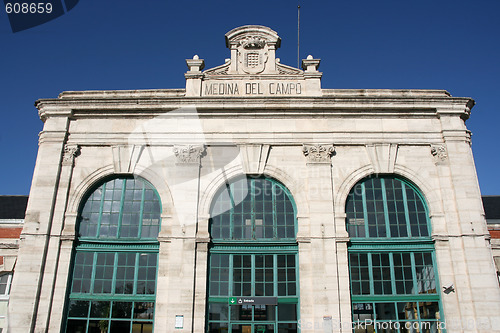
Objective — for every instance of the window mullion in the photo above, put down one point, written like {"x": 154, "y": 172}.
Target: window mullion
{"x": 231, "y": 273}
{"x": 101, "y": 205}
{"x": 370, "y": 273}
{"x": 407, "y": 214}
{"x": 92, "y": 276}
{"x": 120, "y": 214}
{"x": 275, "y": 275}
{"x": 141, "y": 210}
{"x": 115, "y": 268}
{"x": 136, "y": 273}
{"x": 231, "y": 212}
{"x": 393, "y": 274}
{"x": 365, "y": 210}
{"x": 414, "y": 273}
{"x": 252, "y": 278}
{"x": 275, "y": 211}
{"x": 252, "y": 209}
{"x": 386, "y": 209}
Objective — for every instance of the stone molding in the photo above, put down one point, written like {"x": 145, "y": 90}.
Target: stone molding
{"x": 383, "y": 156}
{"x": 70, "y": 153}
{"x": 320, "y": 153}
{"x": 254, "y": 158}
{"x": 125, "y": 158}
{"x": 188, "y": 154}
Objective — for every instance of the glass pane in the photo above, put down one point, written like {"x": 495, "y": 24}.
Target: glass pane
{"x": 264, "y": 312}
{"x": 218, "y": 311}
{"x": 218, "y": 328}
{"x": 142, "y": 327}
{"x": 120, "y": 326}
{"x": 100, "y": 309}
{"x": 144, "y": 310}
{"x": 78, "y": 309}
{"x": 287, "y": 312}
{"x": 122, "y": 310}
{"x": 287, "y": 328}
{"x": 385, "y": 311}
{"x": 76, "y": 326}
{"x": 98, "y": 326}
{"x": 241, "y": 312}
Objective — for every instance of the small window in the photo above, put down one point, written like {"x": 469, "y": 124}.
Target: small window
{"x": 5, "y": 281}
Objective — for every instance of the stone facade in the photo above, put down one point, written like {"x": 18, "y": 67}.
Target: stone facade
{"x": 253, "y": 115}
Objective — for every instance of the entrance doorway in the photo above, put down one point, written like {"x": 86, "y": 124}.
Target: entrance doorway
{"x": 253, "y": 262}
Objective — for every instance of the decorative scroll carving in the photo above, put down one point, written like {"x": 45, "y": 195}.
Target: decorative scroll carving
{"x": 70, "y": 152}
{"x": 318, "y": 153}
{"x": 188, "y": 154}
{"x": 439, "y": 152}
{"x": 253, "y": 42}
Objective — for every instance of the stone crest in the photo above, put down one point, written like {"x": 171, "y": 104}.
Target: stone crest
{"x": 252, "y": 54}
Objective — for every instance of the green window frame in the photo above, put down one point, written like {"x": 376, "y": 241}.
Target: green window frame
{"x": 392, "y": 265}
{"x": 253, "y": 253}
{"x": 115, "y": 260}
{"x": 122, "y": 209}
{"x": 386, "y": 207}
{"x": 259, "y": 209}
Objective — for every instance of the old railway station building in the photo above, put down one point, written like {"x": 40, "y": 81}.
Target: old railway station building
{"x": 254, "y": 200}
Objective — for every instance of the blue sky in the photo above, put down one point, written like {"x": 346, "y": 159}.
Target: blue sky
{"x": 143, "y": 44}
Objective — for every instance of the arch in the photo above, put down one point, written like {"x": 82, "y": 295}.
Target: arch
{"x": 392, "y": 262}
{"x": 278, "y": 174}
{"x": 120, "y": 207}
{"x": 116, "y": 256}
{"x": 431, "y": 197}
{"x": 253, "y": 209}
{"x": 89, "y": 182}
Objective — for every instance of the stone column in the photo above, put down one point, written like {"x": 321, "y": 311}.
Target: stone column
{"x": 464, "y": 248}
{"x": 51, "y": 302}
{"x": 182, "y": 248}
{"x": 201, "y": 274}
{"x": 324, "y": 273}
{"x": 26, "y": 291}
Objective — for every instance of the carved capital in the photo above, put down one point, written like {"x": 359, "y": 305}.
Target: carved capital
{"x": 70, "y": 152}
{"x": 318, "y": 153}
{"x": 439, "y": 152}
{"x": 188, "y": 154}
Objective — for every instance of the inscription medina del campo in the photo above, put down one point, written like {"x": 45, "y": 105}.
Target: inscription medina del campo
{"x": 252, "y": 88}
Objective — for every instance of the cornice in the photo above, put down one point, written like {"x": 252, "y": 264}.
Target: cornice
{"x": 356, "y": 103}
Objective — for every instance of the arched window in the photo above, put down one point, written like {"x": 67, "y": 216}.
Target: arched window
{"x": 113, "y": 284}
{"x": 253, "y": 266}
{"x": 391, "y": 258}
{"x": 253, "y": 209}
